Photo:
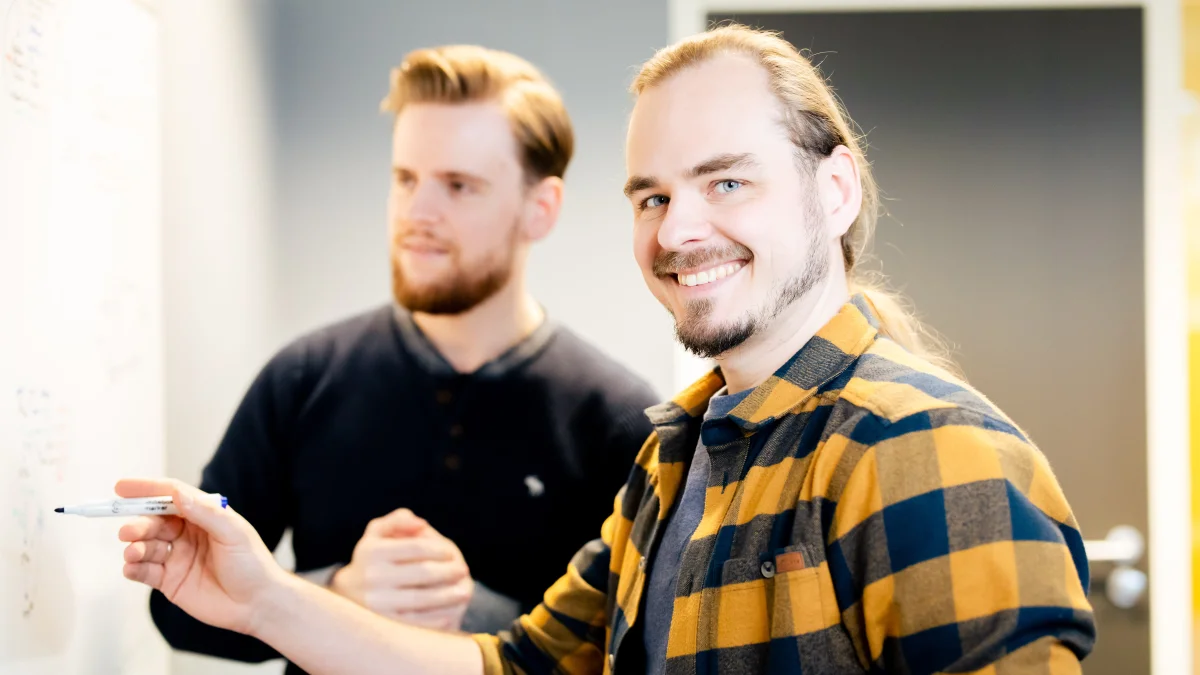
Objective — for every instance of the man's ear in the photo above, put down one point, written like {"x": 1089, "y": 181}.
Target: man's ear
{"x": 839, "y": 189}
{"x": 542, "y": 204}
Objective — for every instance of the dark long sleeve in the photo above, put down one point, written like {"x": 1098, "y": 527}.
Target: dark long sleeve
{"x": 250, "y": 468}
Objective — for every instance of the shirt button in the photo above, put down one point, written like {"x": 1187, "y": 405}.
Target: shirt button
{"x": 452, "y": 462}
{"x": 456, "y": 431}
{"x": 443, "y": 396}
{"x": 642, "y": 564}
{"x": 768, "y": 569}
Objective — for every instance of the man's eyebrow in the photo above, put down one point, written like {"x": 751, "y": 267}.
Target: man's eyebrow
{"x": 639, "y": 183}
{"x": 714, "y": 164}
{"x": 448, "y": 175}
{"x": 724, "y": 162}
{"x": 463, "y": 177}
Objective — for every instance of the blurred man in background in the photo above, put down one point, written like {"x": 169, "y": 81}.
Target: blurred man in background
{"x": 401, "y": 445}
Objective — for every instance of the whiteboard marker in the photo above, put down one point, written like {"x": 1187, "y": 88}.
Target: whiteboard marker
{"x": 139, "y": 506}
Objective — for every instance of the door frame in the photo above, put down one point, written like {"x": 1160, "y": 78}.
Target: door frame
{"x": 1166, "y": 330}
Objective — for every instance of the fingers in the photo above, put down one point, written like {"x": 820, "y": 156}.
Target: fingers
{"x": 145, "y": 487}
{"x": 416, "y": 574}
{"x": 398, "y": 523}
{"x": 221, "y": 523}
{"x": 166, "y": 528}
{"x": 152, "y": 551}
{"x": 150, "y": 574}
{"x": 412, "y": 550}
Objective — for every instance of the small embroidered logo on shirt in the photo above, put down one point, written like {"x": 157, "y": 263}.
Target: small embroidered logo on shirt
{"x": 535, "y": 485}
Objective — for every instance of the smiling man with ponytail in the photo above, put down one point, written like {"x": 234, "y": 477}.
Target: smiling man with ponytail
{"x": 830, "y": 499}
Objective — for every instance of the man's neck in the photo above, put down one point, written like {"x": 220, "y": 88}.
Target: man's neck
{"x": 750, "y": 364}
{"x": 469, "y": 340}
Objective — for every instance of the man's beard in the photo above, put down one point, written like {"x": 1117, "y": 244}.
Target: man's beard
{"x": 459, "y": 291}
{"x": 693, "y": 329}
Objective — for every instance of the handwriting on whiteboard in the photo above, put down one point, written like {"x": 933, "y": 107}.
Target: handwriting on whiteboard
{"x": 43, "y": 437}
{"x": 28, "y": 28}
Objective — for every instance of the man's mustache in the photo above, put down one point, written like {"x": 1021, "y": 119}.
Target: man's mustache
{"x": 424, "y": 239}
{"x": 671, "y": 262}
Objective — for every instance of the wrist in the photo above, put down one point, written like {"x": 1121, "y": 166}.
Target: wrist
{"x": 339, "y": 582}
{"x": 274, "y": 605}
{"x": 322, "y": 577}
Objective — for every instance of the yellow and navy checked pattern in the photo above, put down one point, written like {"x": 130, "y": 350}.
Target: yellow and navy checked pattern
{"x": 865, "y": 512}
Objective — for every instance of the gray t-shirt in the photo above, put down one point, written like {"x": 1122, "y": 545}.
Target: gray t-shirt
{"x": 663, "y": 571}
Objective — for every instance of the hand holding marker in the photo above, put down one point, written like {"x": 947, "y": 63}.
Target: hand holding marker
{"x": 140, "y": 506}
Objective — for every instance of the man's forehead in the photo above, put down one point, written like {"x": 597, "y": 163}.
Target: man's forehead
{"x": 467, "y": 136}
{"x": 673, "y": 128}
{"x": 700, "y": 158}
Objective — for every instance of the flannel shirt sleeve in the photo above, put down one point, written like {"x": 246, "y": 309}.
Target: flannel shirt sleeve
{"x": 953, "y": 549}
{"x": 566, "y": 632}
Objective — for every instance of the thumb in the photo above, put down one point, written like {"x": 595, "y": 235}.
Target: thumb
{"x": 220, "y": 522}
{"x": 400, "y": 523}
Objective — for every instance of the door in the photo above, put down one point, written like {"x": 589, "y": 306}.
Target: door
{"x": 1009, "y": 146}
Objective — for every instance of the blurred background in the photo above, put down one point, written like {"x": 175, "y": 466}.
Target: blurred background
{"x": 1040, "y": 163}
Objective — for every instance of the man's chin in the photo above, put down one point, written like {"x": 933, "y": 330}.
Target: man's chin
{"x": 448, "y": 299}
{"x": 430, "y": 299}
{"x": 710, "y": 341}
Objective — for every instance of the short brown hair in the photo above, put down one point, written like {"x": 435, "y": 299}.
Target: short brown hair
{"x": 473, "y": 74}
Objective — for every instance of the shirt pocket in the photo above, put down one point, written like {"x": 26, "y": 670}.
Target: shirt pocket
{"x": 802, "y": 596}
{"x": 784, "y": 594}
{"x": 783, "y": 601}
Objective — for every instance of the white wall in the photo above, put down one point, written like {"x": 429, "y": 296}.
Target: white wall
{"x": 218, "y": 253}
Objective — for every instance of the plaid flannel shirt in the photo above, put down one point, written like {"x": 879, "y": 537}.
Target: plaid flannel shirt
{"x": 865, "y": 512}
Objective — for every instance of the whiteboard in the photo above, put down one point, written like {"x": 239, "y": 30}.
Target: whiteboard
{"x": 81, "y": 382}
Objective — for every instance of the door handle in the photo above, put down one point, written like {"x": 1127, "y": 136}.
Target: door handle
{"x": 1123, "y": 547}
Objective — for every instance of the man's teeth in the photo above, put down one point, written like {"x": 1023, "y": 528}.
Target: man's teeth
{"x": 709, "y": 275}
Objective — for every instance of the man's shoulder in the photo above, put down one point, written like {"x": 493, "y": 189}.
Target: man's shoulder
{"x": 320, "y": 348}
{"x": 373, "y": 324}
{"x": 920, "y": 429}
{"x": 573, "y": 364}
{"x": 890, "y": 389}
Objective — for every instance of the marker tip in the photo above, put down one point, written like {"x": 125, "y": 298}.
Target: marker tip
{"x": 58, "y": 510}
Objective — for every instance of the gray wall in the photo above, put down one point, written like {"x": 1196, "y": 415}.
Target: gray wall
{"x": 330, "y": 65}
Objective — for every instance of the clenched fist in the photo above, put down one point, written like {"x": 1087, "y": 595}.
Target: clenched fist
{"x": 404, "y": 569}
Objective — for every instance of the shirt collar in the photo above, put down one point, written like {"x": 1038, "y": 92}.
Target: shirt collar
{"x": 428, "y": 357}
{"x": 835, "y": 347}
